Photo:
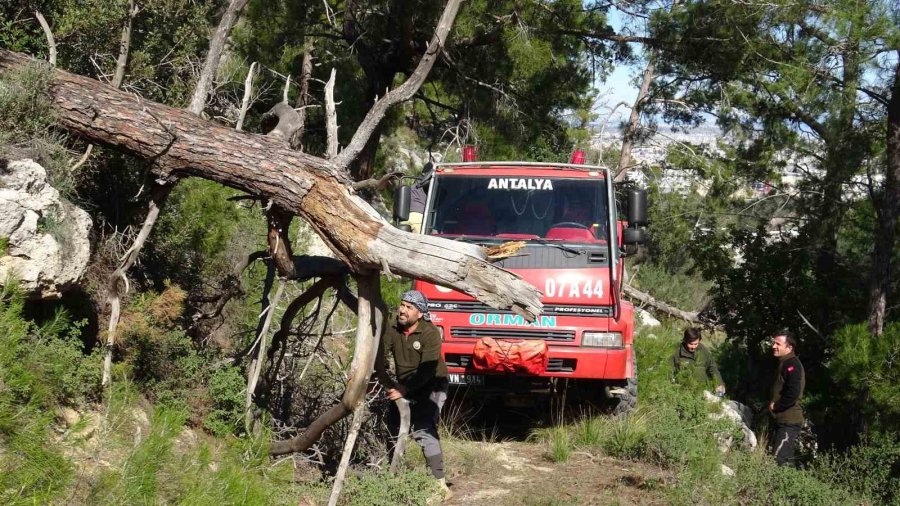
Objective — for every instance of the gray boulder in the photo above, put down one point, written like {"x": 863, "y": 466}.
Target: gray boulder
{"x": 44, "y": 239}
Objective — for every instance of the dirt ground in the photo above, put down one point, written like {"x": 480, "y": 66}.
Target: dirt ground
{"x": 519, "y": 473}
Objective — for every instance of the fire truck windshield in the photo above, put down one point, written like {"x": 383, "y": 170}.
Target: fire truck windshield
{"x": 519, "y": 208}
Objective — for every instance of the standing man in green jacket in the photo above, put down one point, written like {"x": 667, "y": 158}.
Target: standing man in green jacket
{"x": 421, "y": 375}
{"x": 693, "y": 356}
{"x": 787, "y": 390}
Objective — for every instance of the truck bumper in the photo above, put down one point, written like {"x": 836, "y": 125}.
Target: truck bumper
{"x": 564, "y": 361}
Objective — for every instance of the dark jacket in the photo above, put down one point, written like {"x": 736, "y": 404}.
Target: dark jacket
{"x": 787, "y": 390}
{"x": 701, "y": 364}
{"x": 418, "y": 360}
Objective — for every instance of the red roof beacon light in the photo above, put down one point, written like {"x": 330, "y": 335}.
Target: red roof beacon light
{"x": 577, "y": 157}
{"x": 469, "y": 154}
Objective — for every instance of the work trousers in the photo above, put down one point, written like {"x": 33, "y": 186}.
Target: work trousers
{"x": 424, "y": 417}
{"x": 783, "y": 441}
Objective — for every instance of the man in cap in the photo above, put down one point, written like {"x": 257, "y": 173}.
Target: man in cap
{"x": 421, "y": 375}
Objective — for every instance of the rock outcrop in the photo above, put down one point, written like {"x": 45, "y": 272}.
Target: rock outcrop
{"x": 44, "y": 239}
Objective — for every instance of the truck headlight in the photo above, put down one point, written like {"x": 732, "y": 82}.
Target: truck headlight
{"x": 602, "y": 339}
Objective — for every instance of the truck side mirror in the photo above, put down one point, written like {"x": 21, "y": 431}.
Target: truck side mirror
{"x": 634, "y": 236}
{"x": 402, "y": 201}
{"x": 637, "y": 208}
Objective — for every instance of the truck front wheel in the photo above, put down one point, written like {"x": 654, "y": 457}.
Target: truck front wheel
{"x": 626, "y": 394}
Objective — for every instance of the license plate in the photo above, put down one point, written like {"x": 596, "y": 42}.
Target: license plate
{"x": 465, "y": 379}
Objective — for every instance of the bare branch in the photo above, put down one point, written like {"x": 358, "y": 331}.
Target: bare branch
{"x": 51, "y": 42}
{"x": 659, "y": 305}
{"x": 256, "y": 365}
{"x": 216, "y": 47}
{"x": 124, "y": 45}
{"x": 404, "y": 92}
{"x": 118, "y": 282}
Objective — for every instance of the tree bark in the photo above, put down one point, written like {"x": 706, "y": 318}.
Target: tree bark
{"x": 887, "y": 210}
{"x": 181, "y": 144}
{"x": 216, "y": 47}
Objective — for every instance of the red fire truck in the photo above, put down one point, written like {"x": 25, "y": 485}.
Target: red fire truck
{"x": 574, "y": 247}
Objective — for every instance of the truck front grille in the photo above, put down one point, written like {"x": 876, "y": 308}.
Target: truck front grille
{"x": 555, "y": 336}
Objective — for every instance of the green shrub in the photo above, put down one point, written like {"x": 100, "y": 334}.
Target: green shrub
{"x": 158, "y": 354}
{"x": 27, "y": 121}
{"x": 627, "y": 437}
{"x": 871, "y": 468}
{"x": 226, "y": 391}
{"x": 39, "y": 368}
{"x": 590, "y": 431}
{"x": 760, "y": 481}
{"x": 382, "y": 489}
{"x": 866, "y": 370}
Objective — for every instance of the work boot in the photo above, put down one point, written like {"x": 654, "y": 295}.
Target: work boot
{"x": 444, "y": 489}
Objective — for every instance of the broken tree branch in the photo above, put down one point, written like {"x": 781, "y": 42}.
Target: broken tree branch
{"x": 646, "y": 298}
{"x": 377, "y": 184}
{"x": 348, "y": 452}
{"x": 331, "y": 118}
{"x": 245, "y": 101}
{"x": 118, "y": 281}
{"x": 256, "y": 363}
{"x": 302, "y": 97}
{"x": 181, "y": 144}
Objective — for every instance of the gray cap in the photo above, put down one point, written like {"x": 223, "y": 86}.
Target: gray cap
{"x": 418, "y": 299}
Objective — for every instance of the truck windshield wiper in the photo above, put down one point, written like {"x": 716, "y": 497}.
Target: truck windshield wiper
{"x": 563, "y": 247}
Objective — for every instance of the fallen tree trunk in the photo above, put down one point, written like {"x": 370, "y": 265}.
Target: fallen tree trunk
{"x": 646, "y": 298}
{"x": 181, "y": 144}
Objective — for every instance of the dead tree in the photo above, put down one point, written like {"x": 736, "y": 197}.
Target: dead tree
{"x": 180, "y": 144}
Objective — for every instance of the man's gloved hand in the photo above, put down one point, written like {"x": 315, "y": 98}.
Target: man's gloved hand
{"x": 720, "y": 390}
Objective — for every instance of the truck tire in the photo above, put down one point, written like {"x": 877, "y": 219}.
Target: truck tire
{"x": 628, "y": 393}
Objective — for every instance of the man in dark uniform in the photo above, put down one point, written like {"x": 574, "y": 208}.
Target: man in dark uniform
{"x": 787, "y": 390}
{"x": 695, "y": 357}
{"x": 415, "y": 344}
